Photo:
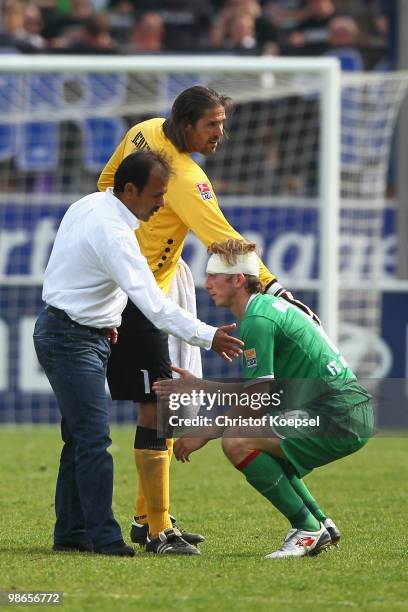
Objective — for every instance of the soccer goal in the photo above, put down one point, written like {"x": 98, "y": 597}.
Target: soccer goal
{"x": 302, "y": 172}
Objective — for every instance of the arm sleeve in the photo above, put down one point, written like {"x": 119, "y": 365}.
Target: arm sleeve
{"x": 258, "y": 335}
{"x": 205, "y": 218}
{"x": 122, "y": 150}
{"x": 129, "y": 269}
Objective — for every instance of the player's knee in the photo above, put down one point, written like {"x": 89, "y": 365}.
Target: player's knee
{"x": 234, "y": 448}
{"x": 147, "y": 415}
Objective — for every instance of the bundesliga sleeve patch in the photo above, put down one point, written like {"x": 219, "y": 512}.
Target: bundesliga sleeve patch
{"x": 205, "y": 191}
{"x": 250, "y": 356}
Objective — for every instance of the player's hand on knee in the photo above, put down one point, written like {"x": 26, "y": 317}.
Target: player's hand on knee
{"x": 183, "y": 447}
{"x": 225, "y": 345}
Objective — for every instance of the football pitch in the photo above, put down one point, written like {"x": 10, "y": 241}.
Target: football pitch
{"x": 366, "y": 495}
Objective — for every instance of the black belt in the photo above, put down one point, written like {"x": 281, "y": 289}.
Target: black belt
{"x": 61, "y": 314}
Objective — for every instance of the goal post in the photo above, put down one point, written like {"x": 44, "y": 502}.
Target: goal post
{"x": 329, "y": 200}
{"x": 327, "y": 69}
{"x": 302, "y": 173}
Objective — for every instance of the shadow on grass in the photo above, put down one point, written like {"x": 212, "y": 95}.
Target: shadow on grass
{"x": 34, "y": 552}
{"x": 204, "y": 555}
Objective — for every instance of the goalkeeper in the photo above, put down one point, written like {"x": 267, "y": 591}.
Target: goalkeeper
{"x": 141, "y": 355}
{"x": 282, "y": 343}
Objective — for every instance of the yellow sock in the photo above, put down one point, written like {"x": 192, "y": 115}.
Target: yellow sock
{"x": 153, "y": 470}
{"x": 140, "y": 502}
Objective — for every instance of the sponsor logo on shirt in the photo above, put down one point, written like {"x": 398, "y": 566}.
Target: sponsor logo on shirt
{"x": 205, "y": 191}
{"x": 250, "y": 356}
{"x": 140, "y": 142}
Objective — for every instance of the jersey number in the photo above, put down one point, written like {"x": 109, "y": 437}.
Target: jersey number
{"x": 146, "y": 381}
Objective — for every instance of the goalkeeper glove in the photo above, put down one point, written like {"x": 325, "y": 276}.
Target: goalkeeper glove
{"x": 276, "y": 289}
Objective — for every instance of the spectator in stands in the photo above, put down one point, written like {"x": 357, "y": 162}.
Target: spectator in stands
{"x": 33, "y": 25}
{"x": 387, "y": 26}
{"x": 240, "y": 35}
{"x": 311, "y": 37}
{"x": 344, "y": 42}
{"x": 218, "y": 35}
{"x": 343, "y": 32}
{"x": 366, "y": 13}
{"x": 186, "y": 23}
{"x": 241, "y": 28}
{"x": 94, "y": 38}
{"x": 49, "y": 9}
{"x": 13, "y": 35}
{"x": 147, "y": 35}
{"x": 122, "y": 20}
{"x": 286, "y": 14}
{"x": 217, "y": 5}
{"x": 64, "y": 29}
{"x": 124, "y": 6}
{"x": 375, "y": 21}
{"x": 101, "y": 6}
{"x": 44, "y": 5}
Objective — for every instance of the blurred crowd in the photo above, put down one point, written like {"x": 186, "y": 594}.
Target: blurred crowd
{"x": 365, "y": 28}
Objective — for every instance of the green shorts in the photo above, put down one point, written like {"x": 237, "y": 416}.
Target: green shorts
{"x": 339, "y": 437}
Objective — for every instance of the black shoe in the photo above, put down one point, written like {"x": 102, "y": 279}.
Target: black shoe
{"x": 170, "y": 542}
{"x": 74, "y": 546}
{"x": 191, "y": 538}
{"x": 138, "y": 533}
{"x": 118, "y": 549}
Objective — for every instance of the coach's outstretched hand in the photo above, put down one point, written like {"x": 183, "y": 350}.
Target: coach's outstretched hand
{"x": 225, "y": 345}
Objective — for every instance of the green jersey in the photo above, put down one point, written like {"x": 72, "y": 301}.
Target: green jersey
{"x": 282, "y": 342}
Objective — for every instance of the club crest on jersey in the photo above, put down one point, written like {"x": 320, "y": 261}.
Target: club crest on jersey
{"x": 205, "y": 191}
{"x": 250, "y": 356}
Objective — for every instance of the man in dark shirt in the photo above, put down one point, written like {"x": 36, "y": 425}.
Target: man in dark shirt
{"x": 311, "y": 36}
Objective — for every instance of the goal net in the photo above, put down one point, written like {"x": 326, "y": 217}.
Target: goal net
{"x": 276, "y": 177}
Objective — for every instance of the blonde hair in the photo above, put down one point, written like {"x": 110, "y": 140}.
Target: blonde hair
{"x": 230, "y": 250}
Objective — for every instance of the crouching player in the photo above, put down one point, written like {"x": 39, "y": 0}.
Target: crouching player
{"x": 284, "y": 349}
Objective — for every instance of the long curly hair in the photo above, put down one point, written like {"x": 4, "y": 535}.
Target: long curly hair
{"x": 188, "y": 108}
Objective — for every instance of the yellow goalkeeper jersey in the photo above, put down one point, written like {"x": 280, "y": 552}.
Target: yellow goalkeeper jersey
{"x": 190, "y": 204}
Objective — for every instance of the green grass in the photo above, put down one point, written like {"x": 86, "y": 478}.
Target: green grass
{"x": 364, "y": 493}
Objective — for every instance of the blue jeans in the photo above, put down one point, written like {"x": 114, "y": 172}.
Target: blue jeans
{"x": 74, "y": 359}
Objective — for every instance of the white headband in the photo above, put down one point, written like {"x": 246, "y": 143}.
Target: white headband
{"x": 246, "y": 264}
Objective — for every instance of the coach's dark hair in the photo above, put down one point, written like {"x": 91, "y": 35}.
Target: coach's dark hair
{"x": 136, "y": 169}
{"x": 188, "y": 108}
